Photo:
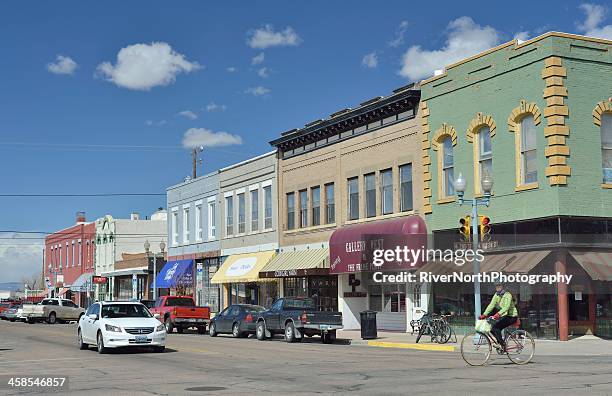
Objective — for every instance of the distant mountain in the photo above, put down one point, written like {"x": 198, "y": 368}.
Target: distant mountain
{"x": 12, "y": 286}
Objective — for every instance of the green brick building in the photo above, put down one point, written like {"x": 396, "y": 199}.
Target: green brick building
{"x": 536, "y": 117}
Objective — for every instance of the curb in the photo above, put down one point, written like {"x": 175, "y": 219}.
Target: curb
{"x": 405, "y": 345}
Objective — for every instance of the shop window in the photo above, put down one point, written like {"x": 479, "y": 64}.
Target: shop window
{"x": 606, "y": 147}
{"x": 330, "y": 207}
{"x": 290, "y": 211}
{"x": 406, "y": 187}
{"x": 295, "y": 287}
{"x": 353, "y": 198}
{"x": 315, "y": 196}
{"x": 303, "y": 209}
{"x": 254, "y": 210}
{"x": 386, "y": 186}
{"x": 370, "y": 194}
{"x": 267, "y": 207}
{"x": 241, "y": 214}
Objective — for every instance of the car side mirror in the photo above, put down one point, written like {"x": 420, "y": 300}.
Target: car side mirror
{"x": 156, "y": 316}
{"x": 93, "y": 316}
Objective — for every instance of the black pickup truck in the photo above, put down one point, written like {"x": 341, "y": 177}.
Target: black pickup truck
{"x": 296, "y": 317}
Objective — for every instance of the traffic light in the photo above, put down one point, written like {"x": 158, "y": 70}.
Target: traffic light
{"x": 484, "y": 226}
{"x": 465, "y": 229}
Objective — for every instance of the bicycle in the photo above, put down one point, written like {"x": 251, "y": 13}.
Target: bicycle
{"x": 476, "y": 347}
{"x": 434, "y": 325}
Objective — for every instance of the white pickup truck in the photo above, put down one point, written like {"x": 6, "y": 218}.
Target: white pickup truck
{"x": 51, "y": 310}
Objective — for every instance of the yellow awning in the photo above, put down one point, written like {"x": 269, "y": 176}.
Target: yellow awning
{"x": 242, "y": 268}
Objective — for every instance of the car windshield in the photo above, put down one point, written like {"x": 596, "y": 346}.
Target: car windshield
{"x": 179, "y": 301}
{"x": 299, "y": 303}
{"x": 125, "y": 311}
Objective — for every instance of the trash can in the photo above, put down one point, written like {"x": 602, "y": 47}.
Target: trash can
{"x": 368, "y": 325}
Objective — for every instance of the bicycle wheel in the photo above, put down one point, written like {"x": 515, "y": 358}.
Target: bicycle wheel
{"x": 444, "y": 333}
{"x": 475, "y": 349}
{"x": 520, "y": 346}
{"x": 421, "y": 332}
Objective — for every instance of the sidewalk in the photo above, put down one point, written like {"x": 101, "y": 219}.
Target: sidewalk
{"x": 581, "y": 346}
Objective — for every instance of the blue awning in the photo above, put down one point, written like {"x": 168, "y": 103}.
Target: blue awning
{"x": 175, "y": 273}
{"x": 81, "y": 283}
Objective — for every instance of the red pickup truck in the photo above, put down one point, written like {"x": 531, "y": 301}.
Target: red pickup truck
{"x": 180, "y": 312}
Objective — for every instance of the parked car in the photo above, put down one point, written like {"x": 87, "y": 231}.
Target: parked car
{"x": 3, "y": 307}
{"x": 148, "y": 303}
{"x": 296, "y": 317}
{"x": 13, "y": 313}
{"x": 181, "y": 312}
{"x": 237, "y": 319}
{"x": 52, "y": 310}
{"x": 114, "y": 324}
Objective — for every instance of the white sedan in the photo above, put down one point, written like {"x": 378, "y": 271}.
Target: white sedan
{"x": 113, "y": 324}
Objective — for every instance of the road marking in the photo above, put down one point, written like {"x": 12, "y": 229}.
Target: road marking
{"x": 403, "y": 345}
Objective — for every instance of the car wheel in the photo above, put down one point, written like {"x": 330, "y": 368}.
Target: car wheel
{"x": 80, "y": 342}
{"x": 11, "y": 320}
{"x": 30, "y": 321}
{"x": 169, "y": 326}
{"x": 52, "y": 318}
{"x": 100, "y": 339}
{"x": 290, "y": 332}
{"x": 236, "y": 331}
{"x": 212, "y": 330}
{"x": 260, "y": 331}
{"x": 159, "y": 349}
{"x": 328, "y": 337}
{"x": 202, "y": 330}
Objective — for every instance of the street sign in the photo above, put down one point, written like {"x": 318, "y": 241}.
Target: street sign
{"x": 134, "y": 286}
{"x": 99, "y": 280}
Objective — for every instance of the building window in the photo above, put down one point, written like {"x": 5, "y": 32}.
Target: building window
{"x": 448, "y": 177}
{"x": 241, "y": 214}
{"x": 198, "y": 222}
{"x": 254, "y": 210}
{"x": 73, "y": 255}
{"x": 67, "y": 255}
{"x": 175, "y": 228}
{"x": 185, "y": 225}
{"x": 267, "y": 207}
{"x": 606, "y": 147}
{"x": 370, "y": 194}
{"x": 405, "y": 172}
{"x": 303, "y": 209}
{"x": 87, "y": 253}
{"x": 386, "y": 187}
{"x": 484, "y": 157}
{"x": 330, "y": 207}
{"x": 212, "y": 220}
{"x": 60, "y": 257}
{"x": 353, "y": 198}
{"x": 529, "y": 155}
{"x": 79, "y": 254}
{"x": 290, "y": 211}
{"x": 315, "y": 194}
{"x": 229, "y": 215}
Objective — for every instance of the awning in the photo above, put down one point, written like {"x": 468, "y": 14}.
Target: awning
{"x": 521, "y": 262}
{"x": 242, "y": 268}
{"x": 297, "y": 263}
{"x": 351, "y": 247}
{"x": 597, "y": 264}
{"x": 81, "y": 282}
{"x": 175, "y": 273}
{"x": 127, "y": 271}
{"x": 62, "y": 291}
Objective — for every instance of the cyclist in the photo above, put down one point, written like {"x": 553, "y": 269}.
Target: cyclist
{"x": 506, "y": 314}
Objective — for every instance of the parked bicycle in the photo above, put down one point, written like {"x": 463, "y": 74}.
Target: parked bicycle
{"x": 476, "y": 347}
{"x": 434, "y": 325}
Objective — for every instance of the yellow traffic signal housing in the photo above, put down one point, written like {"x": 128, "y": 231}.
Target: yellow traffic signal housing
{"x": 484, "y": 228}
{"x": 465, "y": 229}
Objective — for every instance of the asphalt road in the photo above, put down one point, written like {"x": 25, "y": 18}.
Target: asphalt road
{"x": 246, "y": 366}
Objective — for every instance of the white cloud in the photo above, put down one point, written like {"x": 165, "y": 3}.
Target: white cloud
{"x": 399, "y": 35}
{"x": 258, "y": 59}
{"x": 155, "y": 123}
{"x": 595, "y": 15}
{"x": 144, "y": 66}
{"x": 188, "y": 114}
{"x": 263, "y": 72}
{"x": 465, "y": 38}
{"x": 257, "y": 91}
{"x": 265, "y": 37}
{"x": 522, "y": 36}
{"x": 231, "y": 69}
{"x": 370, "y": 60}
{"x": 62, "y": 65}
{"x": 20, "y": 258}
{"x": 215, "y": 107}
{"x": 196, "y": 137}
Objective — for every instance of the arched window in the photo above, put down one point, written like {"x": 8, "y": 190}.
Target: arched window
{"x": 606, "y": 147}
{"x": 443, "y": 141}
{"x": 484, "y": 156}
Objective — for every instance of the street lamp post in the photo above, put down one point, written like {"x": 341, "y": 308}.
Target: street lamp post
{"x": 487, "y": 186}
{"x": 162, "y": 247}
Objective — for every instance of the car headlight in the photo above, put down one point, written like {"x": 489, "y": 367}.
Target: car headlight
{"x": 112, "y": 328}
{"x": 161, "y": 327}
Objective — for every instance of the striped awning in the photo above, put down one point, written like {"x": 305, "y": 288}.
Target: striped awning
{"x": 597, "y": 264}
{"x": 521, "y": 262}
{"x": 297, "y": 263}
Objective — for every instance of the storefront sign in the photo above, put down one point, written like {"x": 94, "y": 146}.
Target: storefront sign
{"x": 241, "y": 267}
{"x": 99, "y": 280}
{"x": 355, "y": 294}
{"x": 285, "y": 273}
{"x": 294, "y": 273}
{"x": 134, "y": 286}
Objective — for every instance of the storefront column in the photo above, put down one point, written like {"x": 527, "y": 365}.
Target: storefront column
{"x": 562, "y": 300}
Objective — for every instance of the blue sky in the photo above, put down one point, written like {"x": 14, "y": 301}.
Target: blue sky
{"x": 78, "y": 77}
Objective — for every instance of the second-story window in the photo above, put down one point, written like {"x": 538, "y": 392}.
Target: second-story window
{"x": 73, "y": 255}
{"x": 405, "y": 173}
{"x": 212, "y": 220}
{"x": 174, "y": 227}
{"x": 254, "y": 210}
{"x": 303, "y": 208}
{"x": 485, "y": 156}
{"x": 241, "y": 214}
{"x": 267, "y": 207}
{"x": 290, "y": 211}
{"x": 79, "y": 253}
{"x": 198, "y": 222}
{"x": 370, "y": 194}
{"x": 185, "y": 225}
{"x": 353, "y": 198}
{"x": 330, "y": 205}
{"x": 315, "y": 194}
{"x": 448, "y": 174}
{"x": 386, "y": 189}
{"x": 229, "y": 215}
{"x": 606, "y": 147}
{"x": 529, "y": 152}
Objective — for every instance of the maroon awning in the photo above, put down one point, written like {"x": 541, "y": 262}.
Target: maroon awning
{"x": 351, "y": 247}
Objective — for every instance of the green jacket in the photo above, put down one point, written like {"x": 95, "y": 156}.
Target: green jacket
{"x": 504, "y": 304}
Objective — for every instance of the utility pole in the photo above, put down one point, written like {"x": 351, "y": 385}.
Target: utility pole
{"x": 195, "y": 160}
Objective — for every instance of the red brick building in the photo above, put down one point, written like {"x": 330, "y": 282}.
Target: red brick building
{"x": 69, "y": 261}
